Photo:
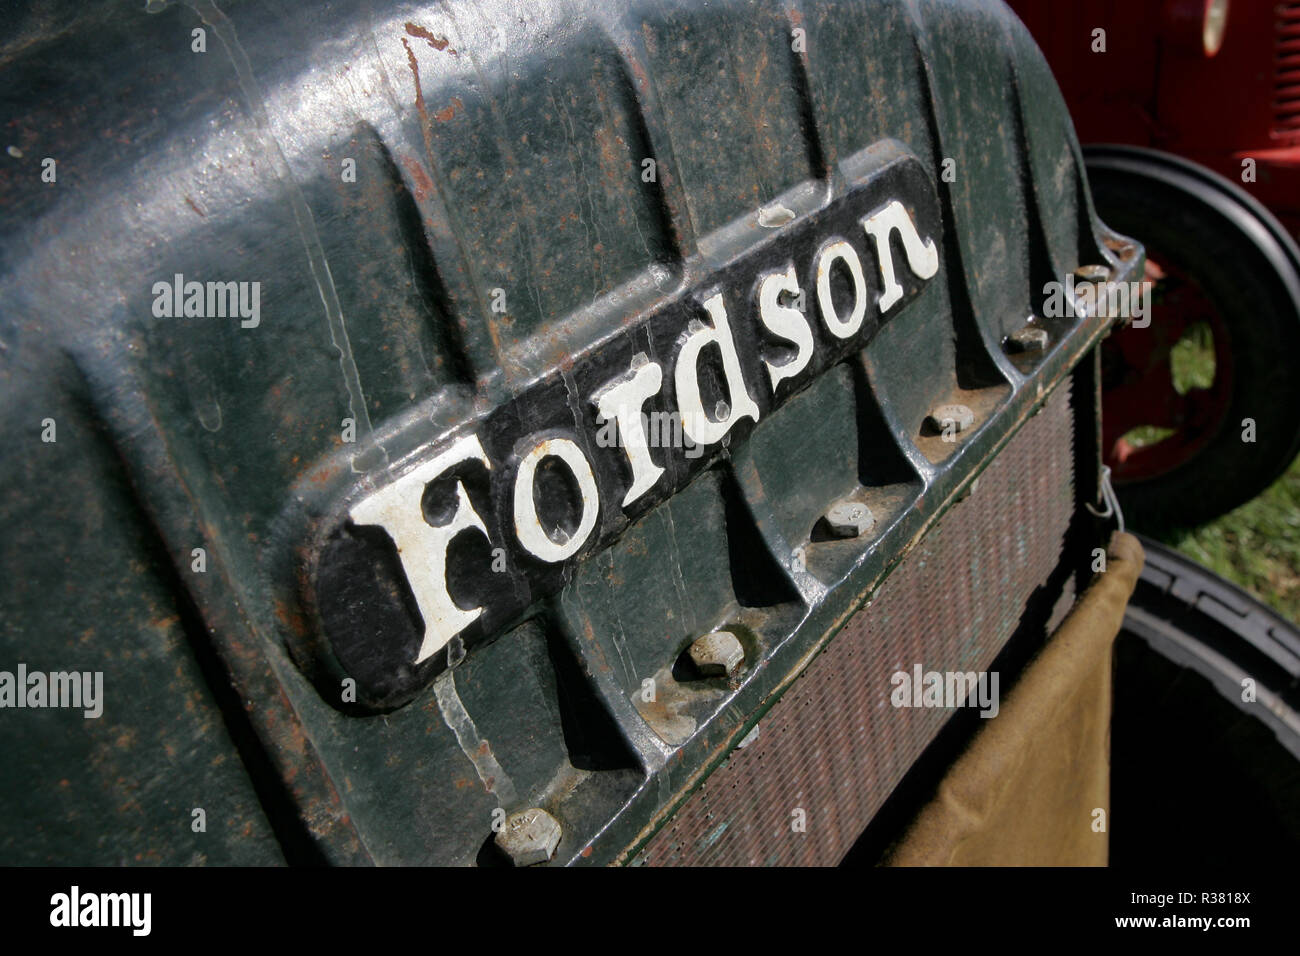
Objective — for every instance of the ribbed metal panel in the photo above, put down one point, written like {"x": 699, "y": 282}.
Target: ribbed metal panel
{"x": 1286, "y": 73}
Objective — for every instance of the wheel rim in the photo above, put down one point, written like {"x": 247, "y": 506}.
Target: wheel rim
{"x": 1159, "y": 412}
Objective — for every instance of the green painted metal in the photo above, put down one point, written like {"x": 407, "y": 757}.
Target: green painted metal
{"x": 492, "y": 148}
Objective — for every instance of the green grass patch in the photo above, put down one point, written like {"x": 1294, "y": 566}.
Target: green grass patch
{"x": 1145, "y": 435}
{"x": 1192, "y": 359}
{"x": 1257, "y": 546}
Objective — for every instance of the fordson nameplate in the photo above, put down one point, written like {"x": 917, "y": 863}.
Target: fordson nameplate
{"x": 422, "y": 562}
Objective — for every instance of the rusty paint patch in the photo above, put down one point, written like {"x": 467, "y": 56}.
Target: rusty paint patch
{"x": 446, "y": 114}
{"x": 423, "y": 185}
{"x": 439, "y": 43}
{"x": 415, "y": 75}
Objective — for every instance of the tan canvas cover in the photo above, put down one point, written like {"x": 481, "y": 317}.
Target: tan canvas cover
{"x": 1033, "y": 788}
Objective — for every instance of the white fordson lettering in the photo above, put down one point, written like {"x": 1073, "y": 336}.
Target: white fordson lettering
{"x": 696, "y": 423}
{"x": 421, "y": 546}
{"x": 786, "y": 322}
{"x": 922, "y": 257}
{"x": 527, "y": 525}
{"x": 621, "y": 401}
{"x": 841, "y": 328}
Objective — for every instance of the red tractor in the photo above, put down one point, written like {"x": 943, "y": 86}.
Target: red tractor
{"x": 1197, "y": 103}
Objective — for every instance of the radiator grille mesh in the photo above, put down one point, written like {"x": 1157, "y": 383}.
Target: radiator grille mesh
{"x": 833, "y": 745}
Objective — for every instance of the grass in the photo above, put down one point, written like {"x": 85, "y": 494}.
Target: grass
{"x": 1192, "y": 358}
{"x": 1257, "y": 546}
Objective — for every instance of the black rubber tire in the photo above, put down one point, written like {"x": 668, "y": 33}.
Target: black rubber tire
{"x": 1200, "y": 776}
{"x": 1249, "y": 268}
{"x": 1220, "y": 629}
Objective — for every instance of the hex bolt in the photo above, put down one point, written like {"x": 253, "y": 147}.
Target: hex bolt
{"x": 529, "y": 836}
{"x": 1029, "y": 339}
{"x": 959, "y": 417}
{"x": 1092, "y": 273}
{"x": 848, "y": 519}
{"x": 717, "y": 654}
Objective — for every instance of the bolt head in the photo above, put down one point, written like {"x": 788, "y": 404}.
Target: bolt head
{"x": 529, "y": 836}
{"x": 958, "y": 417}
{"x": 1029, "y": 339}
{"x": 848, "y": 519}
{"x": 718, "y": 654}
{"x": 1092, "y": 273}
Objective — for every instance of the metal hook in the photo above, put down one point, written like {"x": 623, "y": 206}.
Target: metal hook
{"x": 1110, "y": 498}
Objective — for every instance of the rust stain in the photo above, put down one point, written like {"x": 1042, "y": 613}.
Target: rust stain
{"x": 439, "y": 43}
{"x": 419, "y": 178}
{"x": 289, "y": 734}
{"x": 324, "y": 474}
{"x": 289, "y": 617}
{"x": 195, "y": 206}
{"x": 443, "y": 115}
{"x": 426, "y": 128}
{"x": 415, "y": 73}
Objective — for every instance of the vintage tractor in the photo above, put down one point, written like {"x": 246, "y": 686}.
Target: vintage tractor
{"x": 1194, "y": 107}
{"x": 473, "y": 433}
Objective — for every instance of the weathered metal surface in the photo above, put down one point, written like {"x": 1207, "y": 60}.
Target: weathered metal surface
{"x": 449, "y": 215}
